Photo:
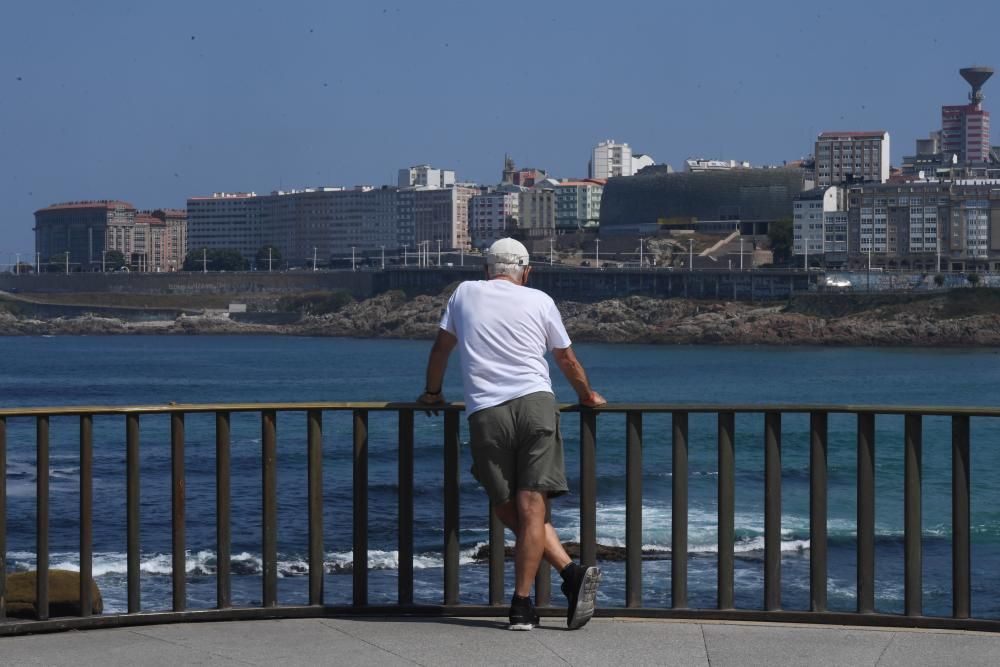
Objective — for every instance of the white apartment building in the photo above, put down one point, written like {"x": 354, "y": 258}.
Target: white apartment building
{"x": 425, "y": 176}
{"x": 610, "y": 159}
{"x": 492, "y": 216}
{"x": 812, "y": 212}
{"x": 852, "y": 156}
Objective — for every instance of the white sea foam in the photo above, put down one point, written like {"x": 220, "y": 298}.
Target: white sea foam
{"x": 204, "y": 563}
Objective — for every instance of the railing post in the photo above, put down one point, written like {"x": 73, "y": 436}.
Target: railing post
{"x": 912, "y": 552}
{"x": 314, "y": 454}
{"x": 866, "y": 512}
{"x": 451, "y": 509}
{"x": 179, "y": 563}
{"x": 405, "y": 583}
{"x": 223, "y": 589}
{"x": 588, "y": 487}
{"x": 679, "y": 525}
{"x": 727, "y": 508}
{"x": 633, "y": 509}
{"x": 817, "y": 510}
{"x": 42, "y": 517}
{"x": 3, "y": 518}
{"x": 86, "y": 513}
{"x": 132, "y": 509}
{"x": 360, "y": 481}
{"x": 497, "y": 558}
{"x": 960, "y": 533}
{"x": 772, "y": 511}
{"x": 269, "y": 494}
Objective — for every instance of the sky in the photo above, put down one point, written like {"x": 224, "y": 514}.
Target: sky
{"x": 155, "y": 102}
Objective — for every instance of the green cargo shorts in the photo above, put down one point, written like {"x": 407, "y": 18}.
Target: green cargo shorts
{"x": 517, "y": 446}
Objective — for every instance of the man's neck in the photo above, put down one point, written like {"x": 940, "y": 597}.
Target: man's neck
{"x": 509, "y": 279}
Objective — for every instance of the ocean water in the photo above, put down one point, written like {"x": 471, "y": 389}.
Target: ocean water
{"x": 152, "y": 370}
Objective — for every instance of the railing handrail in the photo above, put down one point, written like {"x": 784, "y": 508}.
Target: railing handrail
{"x": 680, "y": 443}
{"x": 392, "y": 406}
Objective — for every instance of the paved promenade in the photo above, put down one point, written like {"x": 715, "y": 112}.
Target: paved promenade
{"x": 605, "y": 642}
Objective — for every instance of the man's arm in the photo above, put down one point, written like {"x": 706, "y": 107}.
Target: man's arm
{"x": 437, "y": 363}
{"x": 573, "y": 370}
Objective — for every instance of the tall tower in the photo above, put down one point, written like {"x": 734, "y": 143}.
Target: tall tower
{"x": 965, "y": 128}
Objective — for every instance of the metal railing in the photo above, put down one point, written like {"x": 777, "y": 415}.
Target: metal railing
{"x": 633, "y": 604}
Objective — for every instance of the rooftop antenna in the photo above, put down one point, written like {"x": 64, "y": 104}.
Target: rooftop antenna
{"x": 976, "y": 76}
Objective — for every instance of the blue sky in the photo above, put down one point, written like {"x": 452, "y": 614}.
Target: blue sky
{"x": 154, "y": 102}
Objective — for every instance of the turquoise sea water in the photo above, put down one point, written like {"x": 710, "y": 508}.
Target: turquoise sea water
{"x": 150, "y": 370}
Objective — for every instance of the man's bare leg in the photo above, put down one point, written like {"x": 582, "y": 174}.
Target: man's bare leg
{"x": 530, "y": 540}
{"x": 554, "y": 553}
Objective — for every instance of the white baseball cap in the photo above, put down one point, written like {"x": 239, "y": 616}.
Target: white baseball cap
{"x": 507, "y": 251}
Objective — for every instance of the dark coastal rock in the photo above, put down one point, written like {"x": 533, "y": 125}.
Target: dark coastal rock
{"x": 959, "y": 318}
{"x": 64, "y": 594}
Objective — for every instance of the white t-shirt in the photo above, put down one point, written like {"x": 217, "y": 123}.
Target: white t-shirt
{"x": 503, "y": 331}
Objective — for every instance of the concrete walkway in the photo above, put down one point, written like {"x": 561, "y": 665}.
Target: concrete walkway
{"x": 605, "y": 642}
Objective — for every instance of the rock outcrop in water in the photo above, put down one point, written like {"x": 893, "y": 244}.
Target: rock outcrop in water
{"x": 969, "y": 317}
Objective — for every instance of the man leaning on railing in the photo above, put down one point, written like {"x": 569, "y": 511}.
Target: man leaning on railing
{"x": 503, "y": 330}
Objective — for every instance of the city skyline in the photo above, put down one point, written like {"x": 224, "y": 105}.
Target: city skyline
{"x": 177, "y": 103}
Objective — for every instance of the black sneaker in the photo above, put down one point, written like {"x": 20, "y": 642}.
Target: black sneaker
{"x": 580, "y": 590}
{"x": 523, "y": 615}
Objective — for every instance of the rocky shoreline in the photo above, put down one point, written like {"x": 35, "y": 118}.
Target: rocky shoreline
{"x": 931, "y": 320}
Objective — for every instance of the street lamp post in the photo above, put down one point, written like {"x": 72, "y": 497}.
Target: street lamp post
{"x": 67, "y": 262}
{"x": 640, "y": 251}
{"x": 103, "y": 254}
{"x": 17, "y": 264}
{"x": 204, "y": 260}
{"x": 741, "y": 253}
{"x": 383, "y": 257}
{"x": 353, "y": 267}
{"x": 405, "y": 263}
{"x": 439, "y": 253}
{"x": 597, "y": 253}
{"x": 690, "y": 255}
{"x": 314, "y": 258}
{"x": 268, "y": 259}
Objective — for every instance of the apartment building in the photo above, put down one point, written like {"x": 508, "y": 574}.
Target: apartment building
{"x": 226, "y": 220}
{"x": 578, "y": 205}
{"x": 425, "y": 176}
{"x": 493, "y": 215}
{"x": 442, "y": 214}
{"x": 843, "y": 157}
{"x": 609, "y": 159}
{"x": 538, "y": 211}
{"x": 924, "y": 225}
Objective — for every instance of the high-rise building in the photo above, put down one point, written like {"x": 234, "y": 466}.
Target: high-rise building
{"x": 843, "y": 157}
{"x": 610, "y": 159}
{"x": 965, "y": 128}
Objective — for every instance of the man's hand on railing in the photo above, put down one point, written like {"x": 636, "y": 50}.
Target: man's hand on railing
{"x": 594, "y": 400}
{"x": 428, "y": 398}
